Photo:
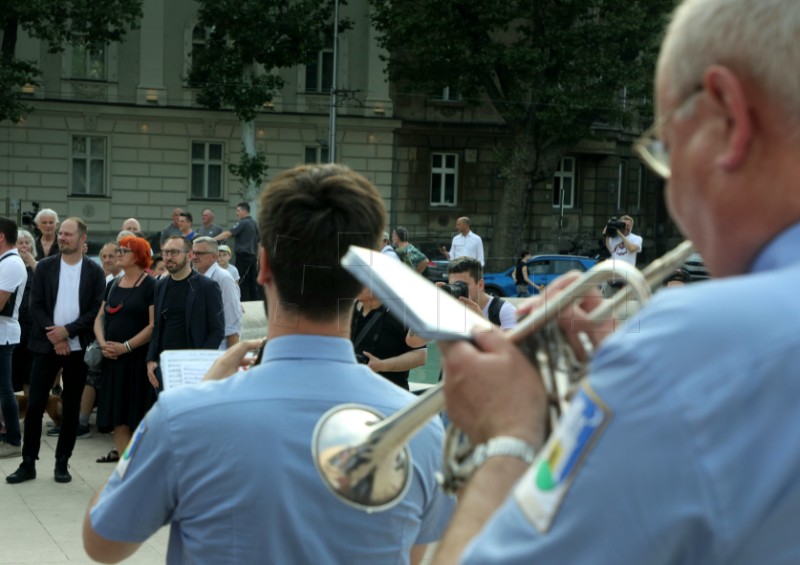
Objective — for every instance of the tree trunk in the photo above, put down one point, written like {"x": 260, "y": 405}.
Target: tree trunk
{"x": 249, "y": 186}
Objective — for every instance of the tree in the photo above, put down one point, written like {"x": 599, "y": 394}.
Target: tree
{"x": 248, "y": 43}
{"x": 58, "y": 23}
{"x": 550, "y": 68}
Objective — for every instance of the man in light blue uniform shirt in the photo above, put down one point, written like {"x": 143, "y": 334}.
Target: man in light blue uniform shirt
{"x": 228, "y": 463}
{"x": 682, "y": 445}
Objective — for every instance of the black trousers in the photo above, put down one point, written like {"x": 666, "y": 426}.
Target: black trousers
{"x": 44, "y": 368}
{"x": 248, "y": 274}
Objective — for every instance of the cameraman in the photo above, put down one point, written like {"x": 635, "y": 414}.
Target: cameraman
{"x": 623, "y": 245}
{"x": 379, "y": 340}
{"x": 468, "y": 270}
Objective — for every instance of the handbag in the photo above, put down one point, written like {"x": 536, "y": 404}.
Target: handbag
{"x": 93, "y": 357}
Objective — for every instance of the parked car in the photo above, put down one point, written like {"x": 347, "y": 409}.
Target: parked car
{"x": 542, "y": 269}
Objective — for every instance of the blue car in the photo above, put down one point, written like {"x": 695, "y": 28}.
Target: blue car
{"x": 542, "y": 269}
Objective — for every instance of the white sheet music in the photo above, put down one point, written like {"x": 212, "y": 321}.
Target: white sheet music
{"x": 186, "y": 366}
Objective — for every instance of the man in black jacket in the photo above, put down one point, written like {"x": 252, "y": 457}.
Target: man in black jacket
{"x": 188, "y": 308}
{"x": 66, "y": 293}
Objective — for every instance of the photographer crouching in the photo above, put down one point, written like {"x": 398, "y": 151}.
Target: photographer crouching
{"x": 623, "y": 245}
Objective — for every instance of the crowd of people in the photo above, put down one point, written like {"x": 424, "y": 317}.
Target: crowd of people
{"x": 679, "y": 446}
{"x": 66, "y": 300}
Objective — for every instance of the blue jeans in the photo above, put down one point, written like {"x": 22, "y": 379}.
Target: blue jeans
{"x": 8, "y": 402}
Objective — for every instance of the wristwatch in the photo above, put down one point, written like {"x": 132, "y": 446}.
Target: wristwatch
{"x": 506, "y": 446}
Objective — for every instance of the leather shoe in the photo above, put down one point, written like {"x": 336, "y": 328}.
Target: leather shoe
{"x": 61, "y": 473}
{"x": 25, "y": 472}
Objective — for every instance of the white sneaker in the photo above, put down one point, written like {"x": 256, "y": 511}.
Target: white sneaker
{"x": 8, "y": 450}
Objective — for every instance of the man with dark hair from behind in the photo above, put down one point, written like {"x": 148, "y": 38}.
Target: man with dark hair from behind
{"x": 246, "y": 502}
{"x": 245, "y": 248}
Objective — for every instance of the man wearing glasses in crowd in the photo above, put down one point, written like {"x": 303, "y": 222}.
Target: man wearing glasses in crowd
{"x": 188, "y": 308}
{"x": 681, "y": 445}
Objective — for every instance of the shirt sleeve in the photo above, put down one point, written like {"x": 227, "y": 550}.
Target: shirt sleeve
{"x": 480, "y": 250}
{"x": 141, "y": 495}
{"x": 508, "y": 315}
{"x": 232, "y": 305}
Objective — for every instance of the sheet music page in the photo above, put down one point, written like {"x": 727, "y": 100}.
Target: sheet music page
{"x": 186, "y": 366}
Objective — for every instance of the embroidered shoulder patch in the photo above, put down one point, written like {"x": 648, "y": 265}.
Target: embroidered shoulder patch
{"x": 540, "y": 491}
{"x": 127, "y": 455}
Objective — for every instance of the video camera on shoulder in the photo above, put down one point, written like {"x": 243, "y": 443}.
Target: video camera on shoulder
{"x": 457, "y": 289}
{"x": 615, "y": 225}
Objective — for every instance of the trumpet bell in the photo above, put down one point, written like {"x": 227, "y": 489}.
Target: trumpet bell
{"x": 359, "y": 468}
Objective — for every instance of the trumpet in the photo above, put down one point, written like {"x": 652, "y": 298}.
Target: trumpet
{"x": 364, "y": 458}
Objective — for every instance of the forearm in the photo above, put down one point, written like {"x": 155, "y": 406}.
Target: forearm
{"x": 224, "y": 235}
{"x": 486, "y": 491}
{"x": 142, "y": 337}
{"x": 405, "y": 362}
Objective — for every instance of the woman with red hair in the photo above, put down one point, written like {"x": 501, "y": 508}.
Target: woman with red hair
{"x": 123, "y": 327}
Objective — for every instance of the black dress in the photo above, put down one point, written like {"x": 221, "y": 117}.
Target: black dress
{"x": 54, "y": 250}
{"x": 125, "y": 392}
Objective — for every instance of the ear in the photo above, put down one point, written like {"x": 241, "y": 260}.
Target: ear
{"x": 727, "y": 91}
{"x": 264, "y": 270}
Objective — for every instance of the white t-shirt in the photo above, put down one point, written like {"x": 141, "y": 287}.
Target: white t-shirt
{"x": 618, "y": 250}
{"x": 68, "y": 307}
{"x": 12, "y": 278}
{"x": 508, "y": 314}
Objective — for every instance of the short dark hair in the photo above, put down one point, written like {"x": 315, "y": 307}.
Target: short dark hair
{"x": 9, "y": 229}
{"x": 244, "y": 206}
{"x": 468, "y": 265}
{"x": 187, "y": 245}
{"x": 523, "y": 253}
{"x": 308, "y": 217}
{"x": 187, "y": 215}
{"x": 402, "y": 233}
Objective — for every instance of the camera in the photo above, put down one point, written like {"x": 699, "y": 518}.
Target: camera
{"x": 457, "y": 289}
{"x": 614, "y": 225}
{"x": 29, "y": 215}
{"x": 361, "y": 358}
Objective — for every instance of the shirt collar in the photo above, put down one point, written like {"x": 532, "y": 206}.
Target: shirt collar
{"x": 309, "y": 347}
{"x": 780, "y": 252}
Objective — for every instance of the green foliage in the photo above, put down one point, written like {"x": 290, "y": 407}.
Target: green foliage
{"x": 550, "y": 67}
{"x": 248, "y": 42}
{"x": 251, "y": 168}
{"x": 56, "y": 22}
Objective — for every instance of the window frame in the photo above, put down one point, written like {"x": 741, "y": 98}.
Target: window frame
{"x": 207, "y": 162}
{"x": 317, "y": 60}
{"x": 444, "y": 171}
{"x": 89, "y": 158}
{"x": 558, "y": 175}
{"x": 320, "y": 151}
{"x": 76, "y": 46}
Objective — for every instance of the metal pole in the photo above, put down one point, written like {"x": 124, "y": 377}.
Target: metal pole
{"x": 334, "y": 81}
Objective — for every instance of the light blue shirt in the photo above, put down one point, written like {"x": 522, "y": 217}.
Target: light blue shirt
{"x": 231, "y": 303}
{"x": 229, "y": 465}
{"x": 700, "y": 462}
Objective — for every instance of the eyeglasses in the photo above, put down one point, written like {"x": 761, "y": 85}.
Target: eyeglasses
{"x": 122, "y": 251}
{"x": 201, "y": 253}
{"x": 649, "y": 146}
{"x": 172, "y": 252}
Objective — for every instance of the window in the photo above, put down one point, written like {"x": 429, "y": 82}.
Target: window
{"x": 319, "y": 69}
{"x": 206, "y": 170}
{"x": 564, "y": 183}
{"x": 447, "y": 94}
{"x": 316, "y": 154}
{"x": 88, "y": 61}
{"x": 88, "y": 165}
{"x": 200, "y": 35}
{"x": 444, "y": 179}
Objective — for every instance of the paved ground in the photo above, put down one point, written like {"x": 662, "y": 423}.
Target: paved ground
{"x": 42, "y": 519}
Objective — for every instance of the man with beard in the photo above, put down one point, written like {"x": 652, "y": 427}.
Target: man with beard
{"x": 65, "y": 296}
{"x": 188, "y": 308}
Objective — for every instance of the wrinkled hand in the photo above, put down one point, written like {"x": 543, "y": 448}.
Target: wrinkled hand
{"x": 493, "y": 390}
{"x": 573, "y": 319}
{"x": 56, "y": 334}
{"x": 62, "y": 348}
{"x": 234, "y": 359}
{"x": 151, "y": 373}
